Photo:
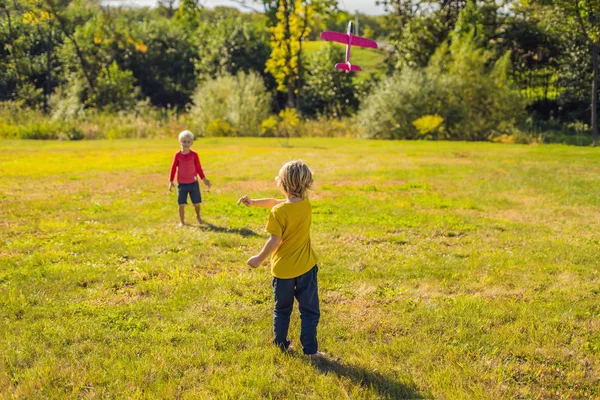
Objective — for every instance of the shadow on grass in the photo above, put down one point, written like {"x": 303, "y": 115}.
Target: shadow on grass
{"x": 245, "y": 232}
{"x": 387, "y": 387}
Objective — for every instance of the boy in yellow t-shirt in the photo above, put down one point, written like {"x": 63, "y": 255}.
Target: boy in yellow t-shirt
{"x": 294, "y": 262}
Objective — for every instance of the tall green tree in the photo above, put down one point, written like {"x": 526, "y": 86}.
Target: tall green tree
{"x": 536, "y": 55}
{"x": 286, "y": 43}
{"x": 69, "y": 15}
{"x": 97, "y": 50}
{"x": 164, "y": 70}
{"x": 28, "y": 61}
{"x": 583, "y": 18}
{"x": 290, "y": 24}
{"x": 228, "y": 45}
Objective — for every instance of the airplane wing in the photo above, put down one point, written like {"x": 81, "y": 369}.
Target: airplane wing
{"x": 343, "y": 38}
{"x": 363, "y": 42}
{"x": 335, "y": 37}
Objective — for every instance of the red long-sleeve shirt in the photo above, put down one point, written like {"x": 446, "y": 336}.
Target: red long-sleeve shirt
{"x": 187, "y": 166}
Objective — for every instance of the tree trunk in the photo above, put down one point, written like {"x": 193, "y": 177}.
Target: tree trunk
{"x": 291, "y": 103}
{"x": 300, "y": 70}
{"x": 595, "y": 93}
{"x": 82, "y": 61}
{"x": 299, "y": 77}
{"x": 48, "y": 77}
{"x": 287, "y": 37}
{"x": 48, "y": 67}
{"x": 12, "y": 45}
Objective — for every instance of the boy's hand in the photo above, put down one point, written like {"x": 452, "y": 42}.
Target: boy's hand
{"x": 246, "y": 200}
{"x": 170, "y": 186}
{"x": 206, "y": 182}
{"x": 254, "y": 262}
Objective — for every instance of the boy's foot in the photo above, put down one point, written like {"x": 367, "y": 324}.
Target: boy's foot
{"x": 181, "y": 224}
{"x": 316, "y": 356}
{"x": 199, "y": 219}
{"x": 289, "y": 349}
{"x": 285, "y": 347}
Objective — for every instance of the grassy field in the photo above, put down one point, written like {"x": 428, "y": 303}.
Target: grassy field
{"x": 448, "y": 271}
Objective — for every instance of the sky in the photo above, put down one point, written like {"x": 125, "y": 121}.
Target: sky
{"x": 367, "y": 7}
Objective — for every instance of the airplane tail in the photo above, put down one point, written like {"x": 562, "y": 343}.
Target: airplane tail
{"x": 347, "y": 67}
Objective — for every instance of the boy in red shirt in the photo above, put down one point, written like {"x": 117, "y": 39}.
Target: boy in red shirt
{"x": 188, "y": 167}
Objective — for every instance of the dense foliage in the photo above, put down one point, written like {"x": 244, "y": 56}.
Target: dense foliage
{"x": 230, "y": 105}
{"x": 528, "y": 65}
{"x": 471, "y": 98}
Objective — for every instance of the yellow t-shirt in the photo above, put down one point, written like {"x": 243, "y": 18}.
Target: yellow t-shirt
{"x": 294, "y": 256}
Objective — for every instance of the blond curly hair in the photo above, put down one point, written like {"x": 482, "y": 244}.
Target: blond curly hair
{"x": 295, "y": 178}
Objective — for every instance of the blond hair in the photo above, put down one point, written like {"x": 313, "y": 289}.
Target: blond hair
{"x": 295, "y": 178}
{"x": 186, "y": 134}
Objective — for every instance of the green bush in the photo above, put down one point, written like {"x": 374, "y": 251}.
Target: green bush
{"x": 240, "y": 101}
{"x": 328, "y": 127}
{"x": 326, "y": 90}
{"x": 18, "y": 122}
{"x": 471, "y": 94}
{"x": 46, "y": 129}
{"x": 114, "y": 90}
{"x": 30, "y": 96}
{"x": 218, "y": 127}
{"x": 389, "y": 111}
{"x": 66, "y": 102}
{"x": 428, "y": 124}
{"x": 285, "y": 125}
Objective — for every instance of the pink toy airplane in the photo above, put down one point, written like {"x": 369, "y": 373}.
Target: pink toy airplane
{"x": 349, "y": 40}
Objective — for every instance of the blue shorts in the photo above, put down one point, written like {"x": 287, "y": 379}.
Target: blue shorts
{"x": 193, "y": 189}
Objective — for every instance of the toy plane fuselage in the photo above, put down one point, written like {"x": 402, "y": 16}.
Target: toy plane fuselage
{"x": 349, "y": 40}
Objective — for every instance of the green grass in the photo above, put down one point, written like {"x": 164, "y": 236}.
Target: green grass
{"x": 448, "y": 270}
{"x": 370, "y": 60}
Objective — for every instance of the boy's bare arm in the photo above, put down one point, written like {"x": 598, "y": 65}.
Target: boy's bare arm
{"x": 264, "y": 203}
{"x": 269, "y": 247}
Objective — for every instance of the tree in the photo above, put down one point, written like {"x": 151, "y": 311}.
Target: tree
{"x": 27, "y": 60}
{"x": 115, "y": 91}
{"x": 462, "y": 85}
{"x": 328, "y": 92}
{"x": 286, "y": 44}
{"x": 417, "y": 27}
{"x": 290, "y": 24}
{"x": 68, "y": 19}
{"x": 230, "y": 105}
{"x": 229, "y": 45}
{"x": 536, "y": 55}
{"x": 164, "y": 70}
{"x": 188, "y": 13}
{"x": 583, "y": 17}
{"x": 99, "y": 50}
{"x": 10, "y": 71}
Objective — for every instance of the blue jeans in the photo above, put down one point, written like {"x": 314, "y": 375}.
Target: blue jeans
{"x": 304, "y": 289}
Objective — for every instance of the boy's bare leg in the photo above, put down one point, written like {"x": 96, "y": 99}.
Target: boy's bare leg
{"x": 197, "y": 208}
{"x": 182, "y": 214}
